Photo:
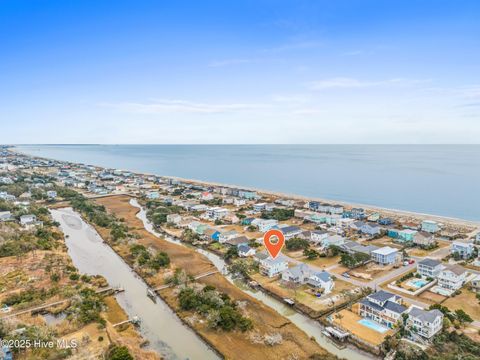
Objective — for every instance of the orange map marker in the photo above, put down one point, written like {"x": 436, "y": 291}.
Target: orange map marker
{"x": 276, "y": 246}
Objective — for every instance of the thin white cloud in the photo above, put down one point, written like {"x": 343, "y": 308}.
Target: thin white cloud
{"x": 351, "y": 83}
{"x": 181, "y": 106}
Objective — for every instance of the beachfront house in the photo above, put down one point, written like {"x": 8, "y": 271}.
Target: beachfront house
{"x": 385, "y": 255}
{"x": 6, "y": 216}
{"x": 321, "y": 280}
{"x": 452, "y": 277}
{"x": 429, "y": 268}
{"x": 430, "y": 226}
{"x": 249, "y": 195}
{"x": 383, "y": 307}
{"x": 264, "y": 225}
{"x": 290, "y": 231}
{"x": 462, "y": 249}
{"x": 272, "y": 267}
{"x": 424, "y": 323}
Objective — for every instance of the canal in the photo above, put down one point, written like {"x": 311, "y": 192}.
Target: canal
{"x": 164, "y": 331}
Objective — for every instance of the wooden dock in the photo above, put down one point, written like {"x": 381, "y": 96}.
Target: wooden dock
{"x": 46, "y": 306}
{"x": 208, "y": 273}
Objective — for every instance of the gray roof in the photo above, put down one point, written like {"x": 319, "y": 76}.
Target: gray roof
{"x": 299, "y": 269}
{"x": 394, "y": 307}
{"x": 323, "y": 275}
{"x": 290, "y": 229}
{"x": 456, "y": 269}
{"x": 424, "y": 315}
{"x": 381, "y": 296}
{"x": 429, "y": 262}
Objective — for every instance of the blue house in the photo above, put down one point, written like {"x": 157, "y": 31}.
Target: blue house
{"x": 358, "y": 213}
{"x": 385, "y": 221}
{"x": 313, "y": 205}
{"x": 216, "y": 235}
{"x": 247, "y": 221}
{"x": 430, "y": 226}
{"x": 393, "y": 233}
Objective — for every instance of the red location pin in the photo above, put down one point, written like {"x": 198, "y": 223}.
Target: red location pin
{"x": 275, "y": 247}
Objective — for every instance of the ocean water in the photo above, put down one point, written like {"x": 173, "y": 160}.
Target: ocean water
{"x": 436, "y": 179}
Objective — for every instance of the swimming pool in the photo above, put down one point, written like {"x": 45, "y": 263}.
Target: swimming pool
{"x": 373, "y": 325}
{"x": 417, "y": 283}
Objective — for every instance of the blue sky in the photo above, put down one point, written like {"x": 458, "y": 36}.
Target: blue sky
{"x": 343, "y": 71}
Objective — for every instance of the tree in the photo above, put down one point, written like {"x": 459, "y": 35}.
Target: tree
{"x": 297, "y": 244}
{"x": 232, "y": 252}
{"x": 119, "y": 353}
{"x": 462, "y": 316}
{"x": 354, "y": 260}
{"x": 311, "y": 254}
{"x": 160, "y": 260}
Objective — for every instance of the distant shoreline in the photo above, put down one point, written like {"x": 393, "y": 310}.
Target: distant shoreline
{"x": 385, "y": 211}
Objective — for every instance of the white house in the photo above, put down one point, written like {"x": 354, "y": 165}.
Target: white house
{"x": 6, "y": 216}
{"x": 335, "y": 240}
{"x": 239, "y": 202}
{"x": 245, "y": 251}
{"x": 272, "y": 267}
{"x": 476, "y": 283}
{"x": 153, "y": 195}
{"x": 297, "y": 274}
{"x": 174, "y": 218}
{"x": 216, "y": 213}
{"x": 385, "y": 255}
{"x": 228, "y": 235}
{"x": 464, "y": 249}
{"x": 27, "y": 220}
{"x": 477, "y": 238}
{"x": 452, "y": 277}
{"x": 424, "y": 323}
{"x": 383, "y": 307}
{"x": 423, "y": 238}
{"x": 317, "y": 236}
{"x": 290, "y": 231}
{"x": 321, "y": 279}
{"x": 429, "y": 268}
{"x": 51, "y": 194}
{"x": 264, "y": 225}
{"x": 259, "y": 206}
